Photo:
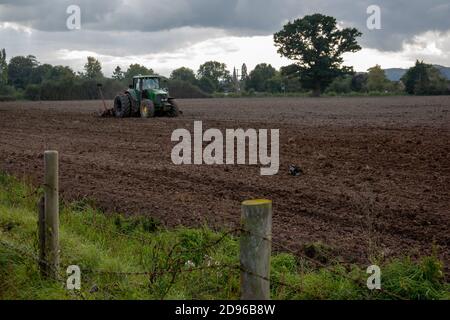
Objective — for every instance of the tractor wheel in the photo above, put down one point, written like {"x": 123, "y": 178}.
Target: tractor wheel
{"x": 174, "y": 110}
{"x": 147, "y": 109}
{"x": 122, "y": 106}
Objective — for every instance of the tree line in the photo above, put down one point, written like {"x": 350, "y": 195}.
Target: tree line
{"x": 314, "y": 43}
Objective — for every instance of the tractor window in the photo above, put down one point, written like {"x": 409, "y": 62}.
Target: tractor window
{"x": 150, "y": 83}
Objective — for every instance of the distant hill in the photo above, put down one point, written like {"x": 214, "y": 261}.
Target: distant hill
{"x": 395, "y": 74}
{"x": 444, "y": 70}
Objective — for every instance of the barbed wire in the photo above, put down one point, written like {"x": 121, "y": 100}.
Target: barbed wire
{"x": 159, "y": 273}
{"x": 34, "y": 192}
{"x": 296, "y": 253}
{"x": 317, "y": 262}
{"x": 176, "y": 266}
{"x": 31, "y": 255}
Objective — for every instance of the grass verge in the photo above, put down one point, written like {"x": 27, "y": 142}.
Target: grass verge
{"x": 135, "y": 258}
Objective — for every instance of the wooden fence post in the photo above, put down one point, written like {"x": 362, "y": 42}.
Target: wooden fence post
{"x": 49, "y": 220}
{"x": 255, "y": 249}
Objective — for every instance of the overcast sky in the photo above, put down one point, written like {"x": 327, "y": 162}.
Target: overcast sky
{"x": 165, "y": 35}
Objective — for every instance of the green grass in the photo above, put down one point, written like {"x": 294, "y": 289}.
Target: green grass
{"x": 182, "y": 263}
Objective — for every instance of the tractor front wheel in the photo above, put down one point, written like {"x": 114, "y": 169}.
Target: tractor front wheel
{"x": 122, "y": 106}
{"x": 147, "y": 109}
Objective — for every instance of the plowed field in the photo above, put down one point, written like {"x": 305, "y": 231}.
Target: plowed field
{"x": 376, "y": 170}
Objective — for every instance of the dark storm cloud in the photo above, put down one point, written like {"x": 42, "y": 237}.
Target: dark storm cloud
{"x": 401, "y": 19}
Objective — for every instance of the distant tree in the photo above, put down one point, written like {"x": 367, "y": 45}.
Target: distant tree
{"x": 291, "y": 83}
{"x": 3, "y": 68}
{"x": 235, "y": 77}
{"x": 135, "y": 70}
{"x": 415, "y": 77}
{"x": 438, "y": 84}
{"x": 258, "y": 77}
{"x": 217, "y": 73}
{"x": 359, "y": 82}
{"x": 340, "y": 85}
{"x": 20, "y": 69}
{"x": 244, "y": 77}
{"x": 118, "y": 74}
{"x": 275, "y": 84}
{"x": 206, "y": 85}
{"x": 395, "y": 87}
{"x": 111, "y": 87}
{"x": 244, "y": 72}
{"x": 183, "y": 74}
{"x": 93, "y": 69}
{"x": 235, "y": 80}
{"x": 59, "y": 73}
{"x": 40, "y": 73}
{"x": 376, "y": 79}
{"x": 424, "y": 79}
{"x": 317, "y": 46}
{"x": 32, "y": 92}
{"x": 184, "y": 89}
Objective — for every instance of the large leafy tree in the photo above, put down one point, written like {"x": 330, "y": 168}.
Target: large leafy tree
{"x": 20, "y": 70}
{"x": 59, "y": 73}
{"x": 183, "y": 74}
{"x": 216, "y": 73}
{"x": 118, "y": 74}
{"x": 258, "y": 77}
{"x": 424, "y": 79}
{"x": 359, "y": 82}
{"x": 316, "y": 44}
{"x": 206, "y": 85}
{"x": 40, "y": 73}
{"x": 376, "y": 79}
{"x": 93, "y": 69}
{"x": 135, "y": 70}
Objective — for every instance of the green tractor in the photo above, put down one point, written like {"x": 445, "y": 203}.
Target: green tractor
{"x": 145, "y": 98}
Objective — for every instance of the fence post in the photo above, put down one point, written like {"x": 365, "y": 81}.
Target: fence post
{"x": 49, "y": 220}
{"x": 255, "y": 249}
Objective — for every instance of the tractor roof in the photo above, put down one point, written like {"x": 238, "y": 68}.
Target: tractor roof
{"x": 147, "y": 76}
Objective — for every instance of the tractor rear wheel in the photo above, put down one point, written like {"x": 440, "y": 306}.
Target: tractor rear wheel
{"x": 147, "y": 109}
{"x": 174, "y": 110}
{"x": 122, "y": 106}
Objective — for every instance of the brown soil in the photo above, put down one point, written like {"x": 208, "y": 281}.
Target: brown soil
{"x": 376, "y": 182}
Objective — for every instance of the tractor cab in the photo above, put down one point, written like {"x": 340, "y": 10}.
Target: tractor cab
{"x": 146, "y": 83}
{"x": 149, "y": 87}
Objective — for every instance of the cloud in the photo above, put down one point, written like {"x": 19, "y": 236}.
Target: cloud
{"x": 121, "y": 30}
{"x": 116, "y": 43}
{"x": 401, "y": 20}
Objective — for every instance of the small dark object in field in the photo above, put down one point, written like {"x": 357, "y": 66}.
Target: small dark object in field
{"x": 295, "y": 171}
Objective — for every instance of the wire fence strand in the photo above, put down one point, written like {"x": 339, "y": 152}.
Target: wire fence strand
{"x": 176, "y": 266}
